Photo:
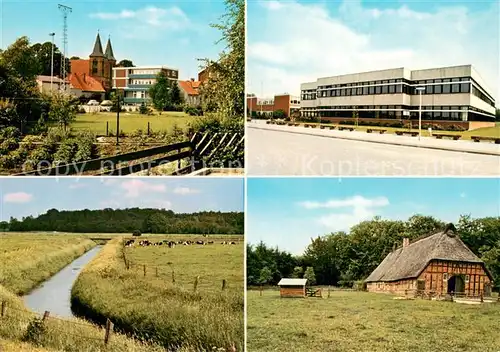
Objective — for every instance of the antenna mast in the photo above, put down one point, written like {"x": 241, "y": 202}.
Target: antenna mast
{"x": 65, "y": 10}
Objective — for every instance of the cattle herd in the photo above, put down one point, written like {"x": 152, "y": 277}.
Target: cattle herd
{"x": 172, "y": 244}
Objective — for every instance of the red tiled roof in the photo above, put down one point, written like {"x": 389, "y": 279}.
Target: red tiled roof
{"x": 190, "y": 87}
{"x": 80, "y": 66}
{"x": 86, "y": 83}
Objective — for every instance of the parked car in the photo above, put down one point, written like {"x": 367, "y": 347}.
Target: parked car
{"x": 93, "y": 102}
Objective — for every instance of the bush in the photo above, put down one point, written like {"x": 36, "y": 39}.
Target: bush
{"x": 35, "y": 332}
{"x": 36, "y": 156}
{"x": 81, "y": 110}
{"x": 143, "y": 109}
{"x": 137, "y": 233}
{"x": 359, "y": 285}
{"x": 10, "y": 132}
{"x": 8, "y": 144}
{"x": 65, "y": 152}
{"x": 85, "y": 147}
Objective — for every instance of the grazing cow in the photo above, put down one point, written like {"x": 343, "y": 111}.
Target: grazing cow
{"x": 171, "y": 244}
{"x": 210, "y": 242}
{"x": 223, "y": 243}
{"x": 232, "y": 243}
{"x": 129, "y": 243}
{"x": 200, "y": 242}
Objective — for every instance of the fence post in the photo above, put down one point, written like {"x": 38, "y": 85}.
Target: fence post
{"x": 4, "y": 308}
{"x": 107, "y": 128}
{"x": 148, "y": 128}
{"x": 109, "y": 329}
{"x": 144, "y": 268}
{"x": 195, "y": 283}
{"x": 260, "y": 289}
{"x": 178, "y": 161}
{"x": 45, "y": 315}
{"x": 173, "y": 277}
{"x": 482, "y": 298}
{"x": 156, "y": 271}
{"x": 223, "y": 284}
{"x": 328, "y": 291}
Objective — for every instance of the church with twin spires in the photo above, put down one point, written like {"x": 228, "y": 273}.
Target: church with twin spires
{"x": 95, "y": 75}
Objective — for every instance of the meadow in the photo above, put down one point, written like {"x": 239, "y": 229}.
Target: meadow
{"x": 361, "y": 321}
{"x": 130, "y": 122}
{"x": 27, "y": 259}
{"x": 157, "y": 299}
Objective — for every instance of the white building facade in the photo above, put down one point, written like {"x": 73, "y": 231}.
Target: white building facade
{"x": 450, "y": 94}
{"x": 136, "y": 81}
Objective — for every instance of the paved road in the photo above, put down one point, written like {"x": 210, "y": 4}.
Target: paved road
{"x": 282, "y": 153}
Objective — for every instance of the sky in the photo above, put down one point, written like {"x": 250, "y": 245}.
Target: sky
{"x": 293, "y": 42}
{"x": 170, "y": 33}
{"x": 288, "y": 212}
{"x": 33, "y": 196}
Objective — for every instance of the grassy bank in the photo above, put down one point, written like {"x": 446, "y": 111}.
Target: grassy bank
{"x": 130, "y": 122}
{"x": 29, "y": 259}
{"x": 26, "y": 260}
{"x": 154, "y": 308}
{"x": 361, "y": 321}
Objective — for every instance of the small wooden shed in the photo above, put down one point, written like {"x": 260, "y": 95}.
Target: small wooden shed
{"x": 292, "y": 287}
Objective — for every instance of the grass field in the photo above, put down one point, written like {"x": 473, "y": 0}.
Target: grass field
{"x": 26, "y": 259}
{"x": 361, "y": 321}
{"x": 130, "y": 122}
{"x": 169, "y": 313}
{"x": 484, "y": 132}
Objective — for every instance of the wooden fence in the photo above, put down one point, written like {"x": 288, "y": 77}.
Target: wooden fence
{"x": 5, "y": 311}
{"x": 201, "y": 149}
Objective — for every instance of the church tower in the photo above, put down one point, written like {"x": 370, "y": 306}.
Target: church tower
{"x": 110, "y": 62}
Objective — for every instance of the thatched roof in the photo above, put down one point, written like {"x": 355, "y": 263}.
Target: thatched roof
{"x": 408, "y": 262}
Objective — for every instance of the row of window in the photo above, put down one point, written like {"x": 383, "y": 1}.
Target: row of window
{"x": 447, "y": 88}
{"x": 391, "y": 107}
{"x": 482, "y": 96}
{"x": 143, "y": 82}
{"x": 396, "y": 80}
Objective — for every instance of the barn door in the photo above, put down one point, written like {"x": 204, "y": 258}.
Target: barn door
{"x": 420, "y": 285}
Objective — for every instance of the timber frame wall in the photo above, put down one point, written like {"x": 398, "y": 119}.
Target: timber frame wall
{"x": 474, "y": 274}
{"x": 292, "y": 291}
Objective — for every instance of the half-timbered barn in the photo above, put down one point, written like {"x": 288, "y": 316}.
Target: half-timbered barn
{"x": 292, "y": 287}
{"x": 438, "y": 264}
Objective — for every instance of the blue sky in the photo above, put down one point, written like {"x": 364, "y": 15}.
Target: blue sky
{"x": 292, "y": 42}
{"x": 31, "y": 196}
{"x": 288, "y": 212}
{"x": 171, "y": 33}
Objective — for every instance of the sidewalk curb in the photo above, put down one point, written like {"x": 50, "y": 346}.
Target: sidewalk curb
{"x": 381, "y": 142}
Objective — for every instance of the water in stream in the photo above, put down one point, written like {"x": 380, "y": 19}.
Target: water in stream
{"x": 54, "y": 294}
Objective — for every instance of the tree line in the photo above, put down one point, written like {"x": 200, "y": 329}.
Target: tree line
{"x": 343, "y": 258}
{"x": 129, "y": 221}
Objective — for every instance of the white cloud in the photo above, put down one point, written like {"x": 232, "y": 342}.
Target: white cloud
{"x": 185, "y": 190}
{"x": 291, "y": 43}
{"x": 137, "y": 188}
{"x": 17, "y": 197}
{"x": 356, "y": 201}
{"x": 145, "y": 22}
{"x": 350, "y": 211}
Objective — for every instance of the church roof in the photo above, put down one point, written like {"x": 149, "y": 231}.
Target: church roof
{"x": 109, "y": 51}
{"x": 97, "y": 52}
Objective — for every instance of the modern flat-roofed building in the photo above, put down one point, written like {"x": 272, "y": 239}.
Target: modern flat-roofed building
{"x": 451, "y": 95}
{"x": 266, "y": 106}
{"x": 136, "y": 81}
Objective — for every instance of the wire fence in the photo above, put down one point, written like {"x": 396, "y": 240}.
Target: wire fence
{"x": 48, "y": 324}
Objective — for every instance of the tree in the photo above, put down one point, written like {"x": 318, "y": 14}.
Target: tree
{"x": 225, "y": 88}
{"x": 298, "y": 272}
{"x": 159, "y": 92}
{"x": 125, "y": 63}
{"x": 175, "y": 94}
{"x": 279, "y": 114}
{"x": 75, "y": 58}
{"x": 265, "y": 276}
{"x": 309, "y": 275}
{"x": 62, "y": 110}
{"x": 497, "y": 114}
{"x": 43, "y": 52}
{"x": 22, "y": 58}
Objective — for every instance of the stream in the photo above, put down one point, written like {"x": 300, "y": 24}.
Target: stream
{"x": 54, "y": 295}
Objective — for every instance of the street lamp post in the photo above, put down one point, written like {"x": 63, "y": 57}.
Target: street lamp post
{"x": 52, "y": 64}
{"x": 118, "y": 108}
{"x": 420, "y": 90}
